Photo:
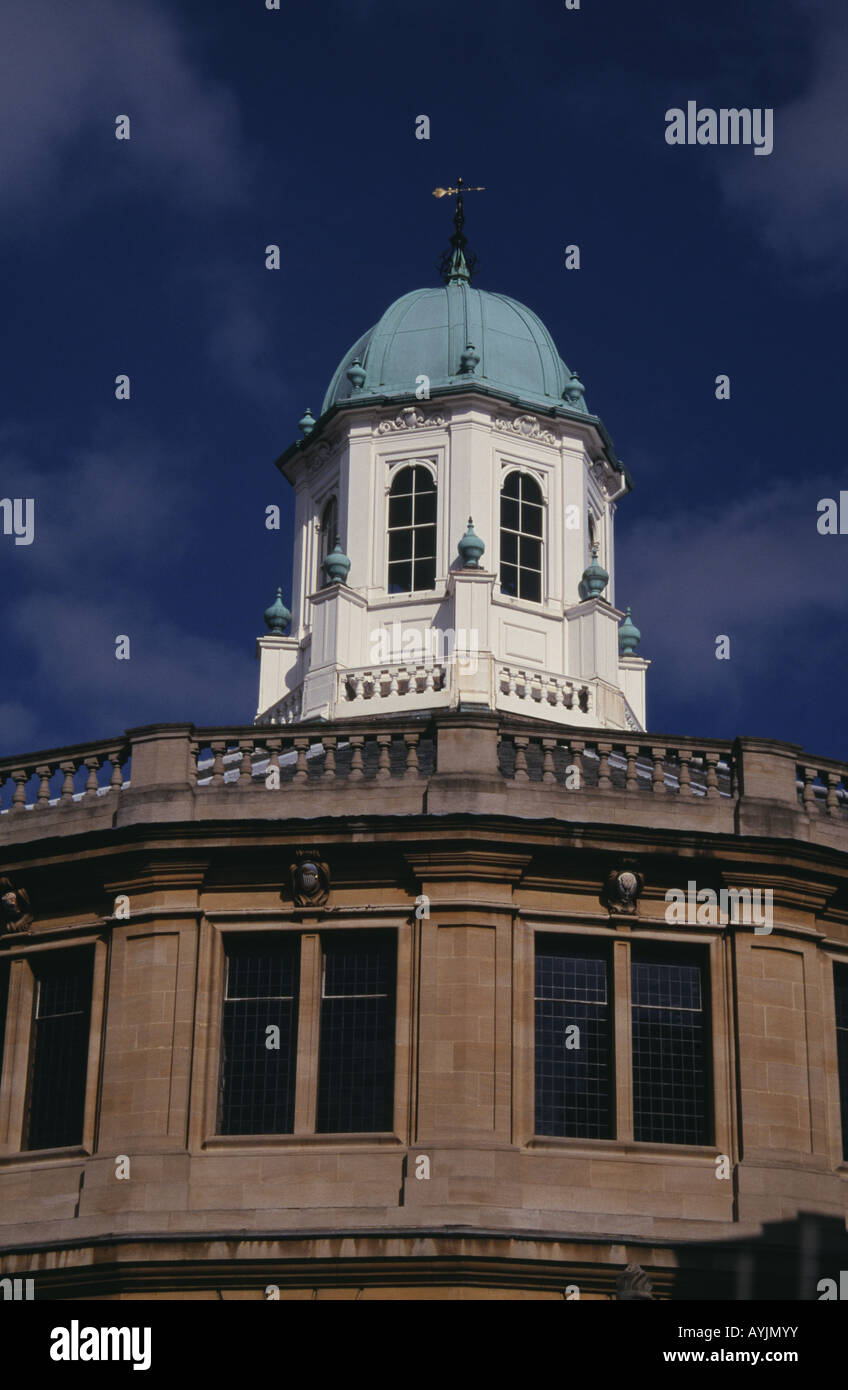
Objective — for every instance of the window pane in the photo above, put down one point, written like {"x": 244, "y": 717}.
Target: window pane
{"x": 509, "y": 580}
{"x": 59, "y": 1055}
{"x": 425, "y": 509}
{"x": 531, "y": 519}
{"x": 530, "y": 586}
{"x": 509, "y": 513}
{"x": 400, "y": 577}
{"x": 512, "y": 485}
{"x": 403, "y": 483}
{"x": 400, "y": 511}
{"x": 841, "y": 984}
{"x": 424, "y": 574}
{"x": 509, "y": 548}
{"x": 670, "y": 1103}
{"x": 356, "y": 1064}
{"x": 572, "y": 1081}
{"x": 257, "y": 1080}
{"x": 530, "y": 556}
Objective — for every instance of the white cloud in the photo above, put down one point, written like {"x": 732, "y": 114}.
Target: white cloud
{"x": 66, "y": 72}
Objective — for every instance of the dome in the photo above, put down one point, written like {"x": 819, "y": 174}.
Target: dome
{"x": 428, "y": 332}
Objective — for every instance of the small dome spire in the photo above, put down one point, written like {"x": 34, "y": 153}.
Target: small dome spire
{"x": 277, "y": 616}
{"x": 574, "y": 392}
{"x": 469, "y": 359}
{"x": 595, "y": 577}
{"x": 356, "y": 374}
{"x": 629, "y": 636}
{"x": 470, "y": 548}
{"x": 336, "y": 565}
{"x": 307, "y": 423}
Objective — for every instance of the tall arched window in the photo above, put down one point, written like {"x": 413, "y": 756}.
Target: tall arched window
{"x": 327, "y": 535}
{"x": 521, "y": 537}
{"x": 412, "y": 531}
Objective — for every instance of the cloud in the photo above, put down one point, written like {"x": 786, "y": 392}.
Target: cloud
{"x": 66, "y": 72}
{"x": 798, "y": 196}
{"x": 756, "y": 570}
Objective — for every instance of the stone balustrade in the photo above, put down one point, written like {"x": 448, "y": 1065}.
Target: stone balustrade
{"x": 659, "y": 766}
{"x": 438, "y": 763}
{"x": 394, "y": 679}
{"x": 64, "y": 777}
{"x": 538, "y": 688}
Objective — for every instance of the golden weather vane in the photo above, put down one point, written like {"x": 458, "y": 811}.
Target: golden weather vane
{"x": 457, "y": 263}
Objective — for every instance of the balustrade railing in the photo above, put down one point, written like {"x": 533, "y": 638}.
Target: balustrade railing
{"x": 383, "y": 682}
{"x": 823, "y": 787}
{"x": 541, "y": 689}
{"x": 221, "y": 758}
{"x": 64, "y": 776}
{"x": 655, "y": 766}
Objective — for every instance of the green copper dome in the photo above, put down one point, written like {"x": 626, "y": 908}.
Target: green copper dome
{"x": 455, "y": 335}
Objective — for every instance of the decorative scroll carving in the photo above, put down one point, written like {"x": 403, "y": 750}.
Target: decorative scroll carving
{"x": 527, "y": 426}
{"x": 410, "y": 418}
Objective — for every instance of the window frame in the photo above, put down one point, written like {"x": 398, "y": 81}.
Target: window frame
{"x": 522, "y": 473}
{"x": 396, "y": 472}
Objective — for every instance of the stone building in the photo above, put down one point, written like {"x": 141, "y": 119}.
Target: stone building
{"x": 444, "y": 978}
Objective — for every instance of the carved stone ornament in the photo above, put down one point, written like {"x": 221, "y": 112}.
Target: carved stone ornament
{"x": 411, "y": 419}
{"x": 15, "y": 909}
{"x": 310, "y": 879}
{"x": 527, "y": 426}
{"x": 319, "y": 454}
{"x": 622, "y": 889}
{"x": 633, "y": 1285}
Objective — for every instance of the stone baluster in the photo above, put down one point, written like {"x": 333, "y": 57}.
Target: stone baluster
{"x": 218, "y": 746}
{"x": 384, "y": 762}
{"x": 273, "y": 745}
{"x": 44, "y": 773}
{"x": 521, "y": 774}
{"x": 808, "y": 795}
{"x": 568, "y": 695}
{"x": 685, "y": 757}
{"x": 116, "y": 781}
{"x": 711, "y": 760}
{"x": 246, "y": 765}
{"x": 548, "y": 774}
{"x": 411, "y": 741}
{"x": 631, "y": 780}
{"x": 69, "y": 768}
{"x": 392, "y": 678}
{"x": 658, "y": 774}
{"x": 93, "y": 764}
{"x": 832, "y": 800}
{"x": 301, "y": 771}
{"x": 356, "y": 773}
{"x": 604, "y": 778}
{"x": 429, "y": 679}
{"x": 575, "y": 759}
{"x": 20, "y": 777}
{"x": 330, "y": 742}
{"x": 358, "y": 686}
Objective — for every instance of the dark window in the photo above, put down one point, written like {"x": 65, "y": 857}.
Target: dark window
{"x": 670, "y": 1038}
{"x": 327, "y": 537}
{"x": 59, "y": 1052}
{"x": 572, "y": 1067}
{"x": 521, "y": 537}
{"x": 356, "y": 1064}
{"x": 412, "y": 531}
{"x": 841, "y": 982}
{"x": 257, "y": 1077}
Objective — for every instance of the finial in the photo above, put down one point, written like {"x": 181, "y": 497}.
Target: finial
{"x": 277, "y": 616}
{"x": 468, "y": 361}
{"x": 307, "y": 422}
{"x": 574, "y": 392}
{"x": 470, "y": 548}
{"x": 336, "y": 565}
{"x": 457, "y": 264}
{"x": 356, "y": 374}
{"x": 629, "y": 636}
{"x": 595, "y": 577}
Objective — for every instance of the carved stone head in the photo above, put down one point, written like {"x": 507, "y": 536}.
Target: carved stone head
{"x": 15, "y": 910}
{"x": 310, "y": 879}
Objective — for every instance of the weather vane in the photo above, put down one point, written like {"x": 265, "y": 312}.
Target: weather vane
{"x": 457, "y": 263}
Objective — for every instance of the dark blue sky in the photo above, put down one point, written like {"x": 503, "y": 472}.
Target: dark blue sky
{"x": 296, "y": 127}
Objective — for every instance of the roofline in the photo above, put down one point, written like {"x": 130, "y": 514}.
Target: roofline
{"x": 469, "y": 386}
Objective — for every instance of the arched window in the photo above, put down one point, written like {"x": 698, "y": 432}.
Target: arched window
{"x": 521, "y": 537}
{"x": 327, "y": 535}
{"x": 412, "y": 531}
